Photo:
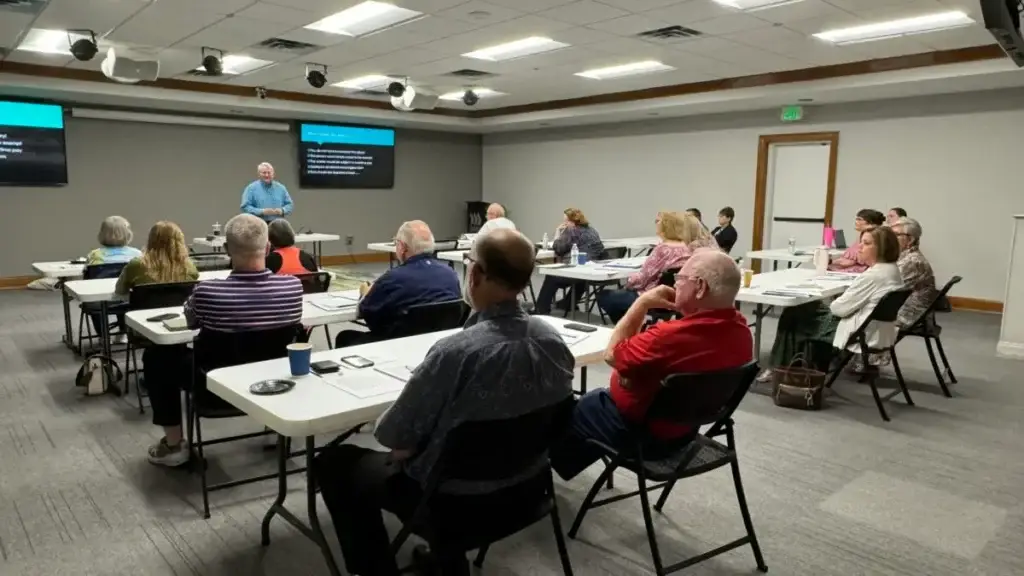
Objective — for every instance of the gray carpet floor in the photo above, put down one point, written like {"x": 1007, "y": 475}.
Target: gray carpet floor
{"x": 935, "y": 492}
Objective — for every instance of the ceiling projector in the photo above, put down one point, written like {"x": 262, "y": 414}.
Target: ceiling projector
{"x": 129, "y": 70}
{"x": 412, "y": 99}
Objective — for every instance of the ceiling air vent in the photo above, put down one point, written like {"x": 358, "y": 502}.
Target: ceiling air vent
{"x": 290, "y": 46}
{"x": 24, "y": 6}
{"x": 468, "y": 73}
{"x": 670, "y": 33}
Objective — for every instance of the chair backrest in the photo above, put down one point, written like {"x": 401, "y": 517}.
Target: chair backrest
{"x": 668, "y": 277}
{"x": 95, "y": 271}
{"x": 162, "y": 295}
{"x": 613, "y": 253}
{"x": 426, "y": 318}
{"x": 216, "y": 349}
{"x": 697, "y": 399}
{"x": 315, "y": 282}
{"x": 887, "y": 309}
{"x": 939, "y": 304}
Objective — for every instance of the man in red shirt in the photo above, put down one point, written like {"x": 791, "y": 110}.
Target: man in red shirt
{"x": 711, "y": 336}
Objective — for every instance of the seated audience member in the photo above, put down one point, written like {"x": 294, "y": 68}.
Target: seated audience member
{"x": 724, "y": 234}
{"x": 495, "y": 220}
{"x": 114, "y": 237}
{"x": 285, "y": 257}
{"x": 711, "y": 336}
{"x": 798, "y": 325}
{"x": 502, "y": 365}
{"x": 574, "y": 230}
{"x": 916, "y": 272}
{"x": 419, "y": 279}
{"x": 696, "y": 214}
{"x": 676, "y": 231}
{"x": 850, "y": 260}
{"x": 165, "y": 260}
{"x": 251, "y": 298}
{"x": 894, "y": 215}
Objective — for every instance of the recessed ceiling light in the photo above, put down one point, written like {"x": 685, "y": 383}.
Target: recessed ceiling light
{"x": 896, "y": 28}
{"x": 516, "y": 49}
{"x": 752, "y": 5}
{"x": 631, "y": 69}
{"x": 480, "y": 92}
{"x": 365, "y": 18}
{"x": 45, "y": 41}
{"x": 366, "y": 82}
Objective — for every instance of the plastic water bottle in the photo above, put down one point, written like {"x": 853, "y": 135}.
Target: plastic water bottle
{"x": 216, "y": 228}
{"x": 792, "y": 245}
{"x": 544, "y": 241}
{"x": 574, "y": 256}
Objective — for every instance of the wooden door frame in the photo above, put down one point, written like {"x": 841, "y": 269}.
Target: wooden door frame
{"x": 761, "y": 182}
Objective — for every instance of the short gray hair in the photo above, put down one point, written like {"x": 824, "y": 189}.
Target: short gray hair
{"x": 720, "y": 272}
{"x": 417, "y": 236}
{"x": 265, "y": 164}
{"x": 246, "y": 234}
{"x": 911, "y": 228}
{"x": 281, "y": 233}
{"x": 115, "y": 231}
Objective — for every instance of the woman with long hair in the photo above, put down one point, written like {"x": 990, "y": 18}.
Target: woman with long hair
{"x": 165, "y": 259}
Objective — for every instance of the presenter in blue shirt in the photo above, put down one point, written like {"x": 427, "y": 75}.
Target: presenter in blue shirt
{"x": 266, "y": 198}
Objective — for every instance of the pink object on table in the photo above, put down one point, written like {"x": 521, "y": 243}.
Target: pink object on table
{"x": 828, "y": 236}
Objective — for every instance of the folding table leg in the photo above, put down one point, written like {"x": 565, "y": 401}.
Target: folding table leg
{"x": 66, "y": 303}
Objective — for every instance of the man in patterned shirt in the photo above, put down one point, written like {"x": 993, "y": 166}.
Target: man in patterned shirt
{"x": 504, "y": 364}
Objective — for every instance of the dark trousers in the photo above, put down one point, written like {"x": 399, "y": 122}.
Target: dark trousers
{"x": 358, "y": 484}
{"x": 615, "y": 303}
{"x": 347, "y": 338}
{"x": 167, "y": 371}
{"x": 546, "y": 296}
{"x": 96, "y": 324}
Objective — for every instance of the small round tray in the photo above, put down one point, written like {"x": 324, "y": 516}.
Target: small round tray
{"x": 271, "y": 387}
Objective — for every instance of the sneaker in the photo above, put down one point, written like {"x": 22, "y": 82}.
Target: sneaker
{"x": 163, "y": 454}
{"x": 765, "y": 376}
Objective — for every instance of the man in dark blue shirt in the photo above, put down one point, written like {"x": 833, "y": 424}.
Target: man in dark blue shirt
{"x": 420, "y": 279}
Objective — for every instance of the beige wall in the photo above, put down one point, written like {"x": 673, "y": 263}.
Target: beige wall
{"x": 195, "y": 175}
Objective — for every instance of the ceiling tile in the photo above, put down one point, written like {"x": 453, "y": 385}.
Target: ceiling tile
{"x": 889, "y": 48}
{"x": 630, "y": 25}
{"x": 314, "y": 37}
{"x": 903, "y": 10}
{"x": 163, "y": 24}
{"x": 582, "y": 36}
{"x": 639, "y": 5}
{"x": 38, "y": 58}
{"x": 689, "y": 12}
{"x": 65, "y": 14}
{"x": 481, "y": 13}
{"x": 859, "y": 5}
{"x": 174, "y": 61}
{"x": 728, "y": 24}
{"x": 274, "y": 73}
{"x": 11, "y": 27}
{"x": 437, "y": 27}
{"x": 583, "y": 12}
{"x": 427, "y": 6}
{"x": 235, "y": 34}
{"x": 268, "y": 12}
{"x": 957, "y": 38}
{"x": 799, "y": 11}
{"x": 321, "y": 8}
{"x": 822, "y": 23}
{"x": 531, "y": 5}
{"x": 706, "y": 46}
{"x": 633, "y": 48}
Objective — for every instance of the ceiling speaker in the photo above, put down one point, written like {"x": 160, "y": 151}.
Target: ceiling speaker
{"x": 121, "y": 68}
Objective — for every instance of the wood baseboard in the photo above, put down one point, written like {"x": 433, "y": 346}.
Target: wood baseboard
{"x": 15, "y": 282}
{"x": 976, "y": 304}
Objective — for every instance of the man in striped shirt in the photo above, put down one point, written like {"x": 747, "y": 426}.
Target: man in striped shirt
{"x": 251, "y": 298}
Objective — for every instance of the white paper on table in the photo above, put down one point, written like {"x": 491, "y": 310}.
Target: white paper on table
{"x": 362, "y": 384}
{"x": 400, "y": 372}
{"x": 570, "y": 337}
{"x": 175, "y": 323}
{"x": 334, "y": 303}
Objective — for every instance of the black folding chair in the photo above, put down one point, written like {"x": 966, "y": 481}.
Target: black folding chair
{"x": 493, "y": 451}
{"x": 887, "y": 309}
{"x": 426, "y": 318}
{"x": 212, "y": 350}
{"x": 668, "y": 278}
{"x": 316, "y": 283}
{"x": 690, "y": 400}
{"x": 148, "y": 297}
{"x": 94, "y": 272}
{"x": 927, "y": 328}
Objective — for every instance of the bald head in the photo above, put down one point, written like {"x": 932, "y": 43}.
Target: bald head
{"x": 413, "y": 238}
{"x": 721, "y": 281}
{"x": 495, "y": 210}
{"x": 506, "y": 258}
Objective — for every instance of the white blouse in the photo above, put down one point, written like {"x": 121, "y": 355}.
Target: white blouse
{"x": 857, "y": 303}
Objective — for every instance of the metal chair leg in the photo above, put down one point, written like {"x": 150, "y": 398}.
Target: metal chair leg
{"x": 563, "y": 552}
{"x": 652, "y": 539}
{"x": 590, "y": 498}
{"x": 935, "y": 368}
{"x": 202, "y": 466}
{"x": 878, "y": 399}
{"x": 327, "y": 334}
{"x": 945, "y": 361}
{"x": 744, "y": 511}
{"x": 899, "y": 376}
{"x": 664, "y": 495}
{"x": 479, "y": 560}
{"x": 844, "y": 358}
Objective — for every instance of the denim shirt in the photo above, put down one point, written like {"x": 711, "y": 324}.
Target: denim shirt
{"x": 258, "y": 196}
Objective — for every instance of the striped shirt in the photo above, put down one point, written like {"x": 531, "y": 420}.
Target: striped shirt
{"x": 245, "y": 301}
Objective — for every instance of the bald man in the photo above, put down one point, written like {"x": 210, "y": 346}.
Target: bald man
{"x": 419, "y": 279}
{"x": 265, "y": 197}
{"x": 711, "y": 336}
{"x": 496, "y": 220}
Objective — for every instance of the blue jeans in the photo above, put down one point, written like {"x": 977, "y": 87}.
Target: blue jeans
{"x": 615, "y": 303}
{"x": 595, "y": 417}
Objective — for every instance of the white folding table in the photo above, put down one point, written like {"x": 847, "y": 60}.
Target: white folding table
{"x": 62, "y": 271}
{"x": 596, "y": 274}
{"x": 320, "y": 406}
{"x": 317, "y": 239}
{"x": 801, "y": 255}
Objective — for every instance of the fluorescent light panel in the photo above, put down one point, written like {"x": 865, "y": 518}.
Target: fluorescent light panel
{"x": 239, "y": 64}
{"x": 366, "y": 82}
{"x": 481, "y": 92}
{"x": 364, "y": 18}
{"x": 516, "y": 49}
{"x": 45, "y": 41}
{"x": 623, "y": 70}
{"x": 896, "y": 28}
{"x": 754, "y": 5}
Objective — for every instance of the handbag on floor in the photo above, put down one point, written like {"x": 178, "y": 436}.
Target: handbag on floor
{"x": 798, "y": 385}
{"x": 99, "y": 374}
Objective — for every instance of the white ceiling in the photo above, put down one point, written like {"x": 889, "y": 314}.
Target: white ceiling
{"x": 600, "y": 32}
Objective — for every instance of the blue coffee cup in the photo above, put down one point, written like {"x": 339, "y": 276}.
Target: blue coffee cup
{"x": 583, "y": 257}
{"x": 298, "y": 358}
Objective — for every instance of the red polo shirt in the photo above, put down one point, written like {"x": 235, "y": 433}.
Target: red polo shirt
{"x": 705, "y": 341}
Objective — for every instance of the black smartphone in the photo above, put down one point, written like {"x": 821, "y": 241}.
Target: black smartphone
{"x": 324, "y": 367}
{"x": 162, "y": 317}
{"x": 581, "y": 327}
{"x": 357, "y": 361}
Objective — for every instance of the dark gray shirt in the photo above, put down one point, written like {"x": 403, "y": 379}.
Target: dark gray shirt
{"x": 586, "y": 239}
{"x": 502, "y": 365}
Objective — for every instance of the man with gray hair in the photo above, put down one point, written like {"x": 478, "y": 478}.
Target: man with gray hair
{"x": 496, "y": 220}
{"x": 265, "y": 197}
{"x": 712, "y": 335}
{"x": 251, "y": 298}
{"x": 419, "y": 279}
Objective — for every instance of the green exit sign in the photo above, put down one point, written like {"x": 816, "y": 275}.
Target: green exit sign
{"x": 792, "y": 113}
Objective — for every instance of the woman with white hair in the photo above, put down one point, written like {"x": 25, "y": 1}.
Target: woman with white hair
{"x": 114, "y": 236}
{"x": 265, "y": 197}
{"x": 916, "y": 272}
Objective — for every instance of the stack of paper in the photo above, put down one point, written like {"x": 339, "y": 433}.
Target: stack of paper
{"x": 571, "y": 337}
{"x": 363, "y": 383}
{"x": 335, "y": 302}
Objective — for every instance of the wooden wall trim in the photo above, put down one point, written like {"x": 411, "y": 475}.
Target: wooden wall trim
{"x": 15, "y": 282}
{"x": 975, "y": 304}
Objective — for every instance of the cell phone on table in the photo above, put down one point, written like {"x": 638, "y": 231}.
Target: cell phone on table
{"x": 324, "y": 367}
{"x": 162, "y": 317}
{"x": 581, "y": 327}
{"x": 357, "y": 361}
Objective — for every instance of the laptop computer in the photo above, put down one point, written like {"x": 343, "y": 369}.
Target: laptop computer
{"x": 840, "y": 239}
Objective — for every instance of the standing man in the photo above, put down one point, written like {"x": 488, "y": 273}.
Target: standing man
{"x": 266, "y": 198}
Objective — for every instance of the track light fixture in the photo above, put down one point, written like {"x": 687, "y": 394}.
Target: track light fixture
{"x": 213, "y": 61}
{"x": 396, "y": 89}
{"x": 316, "y": 75}
{"x": 470, "y": 98}
{"x": 83, "y": 49}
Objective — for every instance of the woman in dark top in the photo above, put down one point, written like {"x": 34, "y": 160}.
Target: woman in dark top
{"x": 725, "y": 234}
{"x": 285, "y": 257}
{"x": 574, "y": 230}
